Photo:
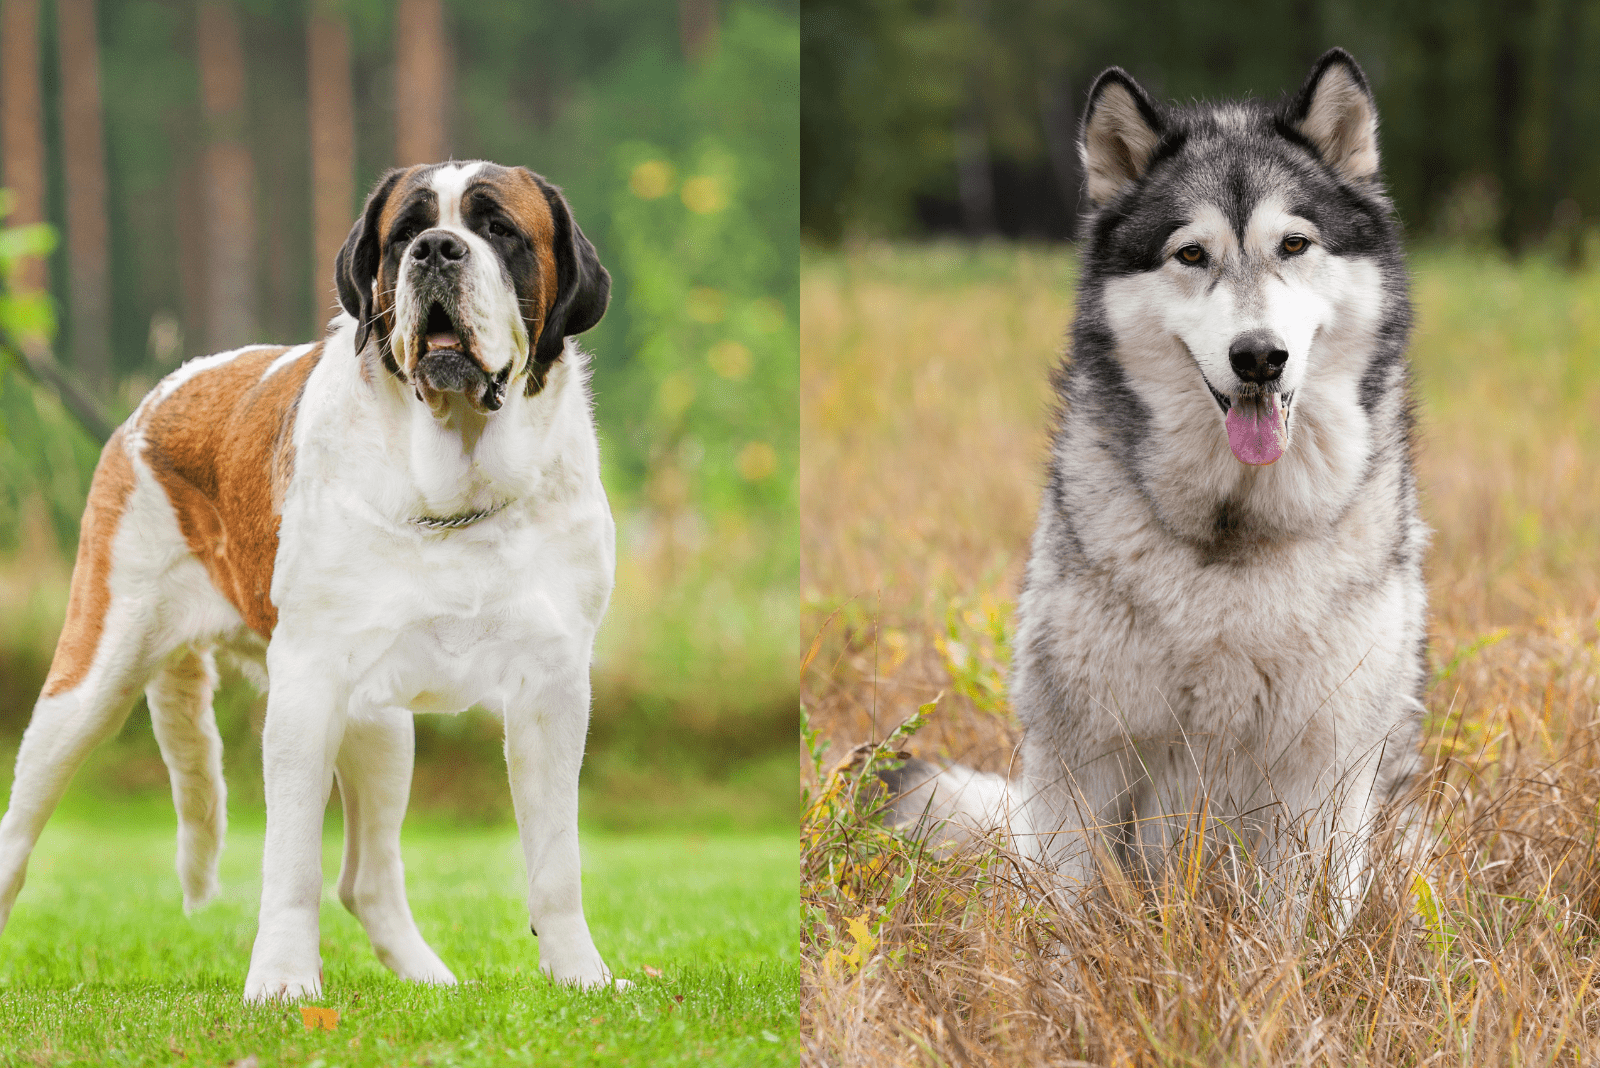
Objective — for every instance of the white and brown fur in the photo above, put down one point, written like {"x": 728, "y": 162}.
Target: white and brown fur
{"x": 380, "y": 524}
{"x": 1198, "y": 634}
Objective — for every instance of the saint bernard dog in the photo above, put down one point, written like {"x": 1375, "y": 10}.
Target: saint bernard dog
{"x": 403, "y": 517}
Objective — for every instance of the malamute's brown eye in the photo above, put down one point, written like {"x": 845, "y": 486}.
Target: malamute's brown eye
{"x": 1193, "y": 255}
{"x": 1295, "y": 244}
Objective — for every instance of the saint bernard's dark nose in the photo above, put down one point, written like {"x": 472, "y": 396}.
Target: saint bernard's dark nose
{"x": 1257, "y": 356}
{"x": 437, "y": 247}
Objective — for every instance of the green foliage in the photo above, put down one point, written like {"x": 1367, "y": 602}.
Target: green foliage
{"x": 44, "y": 455}
{"x": 23, "y": 313}
{"x": 1489, "y": 113}
{"x": 712, "y": 298}
{"x": 695, "y": 365}
{"x": 882, "y": 86}
{"x": 45, "y": 458}
{"x": 684, "y": 175}
{"x": 844, "y": 843}
{"x": 696, "y": 362}
{"x": 975, "y": 650}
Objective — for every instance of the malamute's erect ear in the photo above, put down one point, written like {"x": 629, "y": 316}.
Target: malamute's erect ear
{"x": 1336, "y": 113}
{"x": 1121, "y": 128}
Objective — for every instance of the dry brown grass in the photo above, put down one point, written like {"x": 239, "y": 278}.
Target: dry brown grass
{"x": 923, "y": 418}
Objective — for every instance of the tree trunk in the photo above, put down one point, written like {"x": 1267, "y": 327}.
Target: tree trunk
{"x": 974, "y": 166}
{"x": 83, "y": 151}
{"x": 333, "y": 151}
{"x": 22, "y": 127}
{"x": 228, "y": 177}
{"x": 1563, "y": 86}
{"x": 974, "y": 179}
{"x": 1510, "y": 92}
{"x": 188, "y": 191}
{"x": 420, "y": 84}
{"x": 697, "y": 28}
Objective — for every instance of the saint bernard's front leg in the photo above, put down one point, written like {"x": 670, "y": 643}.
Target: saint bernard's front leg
{"x": 305, "y": 725}
{"x": 545, "y": 729}
{"x": 374, "y": 771}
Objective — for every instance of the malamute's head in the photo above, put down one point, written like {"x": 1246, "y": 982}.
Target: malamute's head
{"x": 1240, "y": 248}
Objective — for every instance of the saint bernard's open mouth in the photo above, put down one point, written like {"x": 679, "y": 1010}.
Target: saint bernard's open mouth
{"x": 448, "y": 365}
{"x": 440, "y": 334}
{"x": 1257, "y": 422}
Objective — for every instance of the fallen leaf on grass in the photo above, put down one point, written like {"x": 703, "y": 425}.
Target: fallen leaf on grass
{"x": 678, "y": 998}
{"x": 314, "y": 1017}
{"x": 654, "y": 973}
{"x": 251, "y": 1061}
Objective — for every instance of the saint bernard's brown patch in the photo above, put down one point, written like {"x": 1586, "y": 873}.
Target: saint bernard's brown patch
{"x": 90, "y": 597}
{"x": 222, "y": 447}
{"x": 399, "y": 197}
{"x": 526, "y": 202}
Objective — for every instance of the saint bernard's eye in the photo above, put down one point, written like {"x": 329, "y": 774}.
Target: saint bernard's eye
{"x": 500, "y": 229}
{"x": 1295, "y": 244}
{"x": 1192, "y": 255}
{"x": 404, "y": 234}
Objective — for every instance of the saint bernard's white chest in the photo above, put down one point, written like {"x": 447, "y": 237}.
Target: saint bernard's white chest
{"x": 438, "y": 599}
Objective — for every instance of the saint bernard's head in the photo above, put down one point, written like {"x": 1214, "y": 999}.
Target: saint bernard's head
{"x": 466, "y": 276}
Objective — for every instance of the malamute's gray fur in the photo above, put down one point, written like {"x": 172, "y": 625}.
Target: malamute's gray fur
{"x": 1224, "y": 609}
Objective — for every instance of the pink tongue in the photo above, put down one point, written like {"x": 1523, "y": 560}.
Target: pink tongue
{"x": 447, "y": 341}
{"x": 1255, "y": 429}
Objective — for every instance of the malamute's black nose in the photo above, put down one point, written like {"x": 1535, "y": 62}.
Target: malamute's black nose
{"x": 1257, "y": 356}
{"x": 437, "y": 246}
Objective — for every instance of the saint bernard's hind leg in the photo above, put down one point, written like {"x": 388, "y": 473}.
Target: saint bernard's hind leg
{"x": 66, "y": 725}
{"x": 186, "y": 729}
{"x": 374, "y": 776}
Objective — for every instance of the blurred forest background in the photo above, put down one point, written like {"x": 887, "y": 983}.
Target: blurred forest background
{"x": 930, "y": 116}
{"x": 180, "y": 175}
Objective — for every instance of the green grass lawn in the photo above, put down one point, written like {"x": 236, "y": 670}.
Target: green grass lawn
{"x": 99, "y": 965}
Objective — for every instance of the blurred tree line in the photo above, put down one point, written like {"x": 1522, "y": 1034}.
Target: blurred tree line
{"x": 961, "y": 115}
{"x": 202, "y": 161}
{"x": 179, "y": 175}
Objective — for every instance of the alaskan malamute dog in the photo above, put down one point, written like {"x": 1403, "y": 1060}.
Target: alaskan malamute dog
{"x": 1224, "y": 609}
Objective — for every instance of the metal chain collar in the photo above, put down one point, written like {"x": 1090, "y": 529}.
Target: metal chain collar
{"x": 466, "y": 519}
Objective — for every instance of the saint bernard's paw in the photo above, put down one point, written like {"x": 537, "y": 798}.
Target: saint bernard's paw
{"x": 267, "y": 987}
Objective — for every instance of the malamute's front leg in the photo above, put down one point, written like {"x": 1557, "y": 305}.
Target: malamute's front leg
{"x": 304, "y": 728}
{"x": 1078, "y": 798}
{"x": 1343, "y": 832}
{"x": 545, "y": 731}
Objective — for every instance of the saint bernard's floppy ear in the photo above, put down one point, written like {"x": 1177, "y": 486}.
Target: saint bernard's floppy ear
{"x": 1336, "y": 113}
{"x": 357, "y": 264}
{"x": 583, "y": 287}
{"x": 1121, "y": 128}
